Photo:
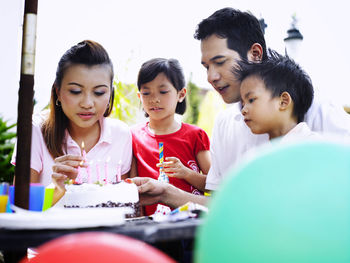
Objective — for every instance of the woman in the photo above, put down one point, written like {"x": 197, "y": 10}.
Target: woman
{"x": 76, "y": 137}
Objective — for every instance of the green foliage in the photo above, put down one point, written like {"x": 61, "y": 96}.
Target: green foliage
{"x": 210, "y": 107}
{"x": 125, "y": 102}
{"x": 7, "y": 170}
{"x": 347, "y": 109}
{"x": 193, "y": 103}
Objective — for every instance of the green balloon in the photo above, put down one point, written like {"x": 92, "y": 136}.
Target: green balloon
{"x": 291, "y": 204}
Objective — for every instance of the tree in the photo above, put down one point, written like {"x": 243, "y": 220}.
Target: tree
{"x": 126, "y": 103}
{"x": 7, "y": 170}
{"x": 193, "y": 100}
{"x": 210, "y": 107}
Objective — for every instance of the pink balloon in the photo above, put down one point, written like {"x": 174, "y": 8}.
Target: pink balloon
{"x": 92, "y": 247}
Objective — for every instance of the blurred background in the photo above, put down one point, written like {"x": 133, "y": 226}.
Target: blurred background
{"x": 134, "y": 31}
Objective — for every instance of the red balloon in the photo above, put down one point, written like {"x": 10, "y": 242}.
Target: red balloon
{"x": 91, "y": 247}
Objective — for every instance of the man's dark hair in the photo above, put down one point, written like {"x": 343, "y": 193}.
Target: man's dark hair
{"x": 241, "y": 29}
{"x": 281, "y": 74}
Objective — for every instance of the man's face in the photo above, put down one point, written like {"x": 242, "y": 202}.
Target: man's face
{"x": 219, "y": 61}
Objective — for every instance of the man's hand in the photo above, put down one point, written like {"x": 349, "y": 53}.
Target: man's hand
{"x": 151, "y": 191}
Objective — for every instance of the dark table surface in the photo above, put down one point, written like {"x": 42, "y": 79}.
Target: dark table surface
{"x": 13, "y": 243}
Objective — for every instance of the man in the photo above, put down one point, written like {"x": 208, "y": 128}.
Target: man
{"x": 227, "y": 36}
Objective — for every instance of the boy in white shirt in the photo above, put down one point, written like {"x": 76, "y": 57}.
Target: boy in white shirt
{"x": 275, "y": 96}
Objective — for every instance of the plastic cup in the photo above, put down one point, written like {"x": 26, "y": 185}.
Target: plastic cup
{"x": 12, "y": 194}
{"x": 4, "y": 188}
{"x": 36, "y": 197}
{"x": 3, "y": 203}
{"x": 48, "y": 198}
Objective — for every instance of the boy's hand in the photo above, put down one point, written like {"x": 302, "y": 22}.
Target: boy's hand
{"x": 173, "y": 167}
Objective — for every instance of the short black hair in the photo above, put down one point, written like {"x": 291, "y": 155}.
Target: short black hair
{"x": 241, "y": 29}
{"x": 171, "y": 69}
{"x": 281, "y": 74}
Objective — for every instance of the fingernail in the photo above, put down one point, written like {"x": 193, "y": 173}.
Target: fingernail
{"x": 128, "y": 180}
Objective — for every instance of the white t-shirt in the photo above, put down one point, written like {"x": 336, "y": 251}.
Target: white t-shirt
{"x": 300, "y": 132}
{"x": 114, "y": 148}
{"x": 232, "y": 138}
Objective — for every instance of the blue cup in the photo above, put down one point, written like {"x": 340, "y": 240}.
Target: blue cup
{"x": 12, "y": 194}
{"x": 36, "y": 196}
{"x": 4, "y": 188}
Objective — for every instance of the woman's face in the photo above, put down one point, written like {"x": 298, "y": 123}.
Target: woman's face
{"x": 84, "y": 94}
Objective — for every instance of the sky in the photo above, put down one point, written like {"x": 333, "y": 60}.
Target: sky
{"x": 134, "y": 31}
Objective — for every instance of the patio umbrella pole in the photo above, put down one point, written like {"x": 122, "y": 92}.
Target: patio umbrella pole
{"x": 25, "y": 105}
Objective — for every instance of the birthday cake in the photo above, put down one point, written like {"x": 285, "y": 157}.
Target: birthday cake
{"x": 121, "y": 194}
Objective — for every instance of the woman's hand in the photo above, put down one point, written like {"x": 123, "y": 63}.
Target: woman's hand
{"x": 66, "y": 167}
{"x": 173, "y": 167}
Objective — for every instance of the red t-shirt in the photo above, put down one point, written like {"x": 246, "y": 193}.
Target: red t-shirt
{"x": 183, "y": 144}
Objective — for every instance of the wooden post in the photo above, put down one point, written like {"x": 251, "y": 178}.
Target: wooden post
{"x": 25, "y": 105}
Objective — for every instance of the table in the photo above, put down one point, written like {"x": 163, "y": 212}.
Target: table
{"x": 166, "y": 236}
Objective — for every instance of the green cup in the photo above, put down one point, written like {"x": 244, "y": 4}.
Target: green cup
{"x": 48, "y": 198}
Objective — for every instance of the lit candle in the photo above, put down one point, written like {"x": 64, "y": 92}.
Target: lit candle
{"x": 106, "y": 170}
{"x": 88, "y": 171}
{"x": 83, "y": 150}
{"x": 78, "y": 179}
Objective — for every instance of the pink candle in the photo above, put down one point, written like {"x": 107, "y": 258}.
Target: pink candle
{"x": 106, "y": 170}
{"x": 88, "y": 170}
{"x": 98, "y": 171}
{"x": 119, "y": 171}
{"x": 78, "y": 179}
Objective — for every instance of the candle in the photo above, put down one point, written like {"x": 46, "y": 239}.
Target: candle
{"x": 88, "y": 170}
{"x": 83, "y": 150}
{"x": 106, "y": 170}
{"x": 119, "y": 171}
{"x": 161, "y": 154}
{"x": 98, "y": 171}
{"x": 78, "y": 179}
{"x": 162, "y": 176}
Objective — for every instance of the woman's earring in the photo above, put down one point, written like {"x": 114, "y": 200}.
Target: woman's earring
{"x": 58, "y": 103}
